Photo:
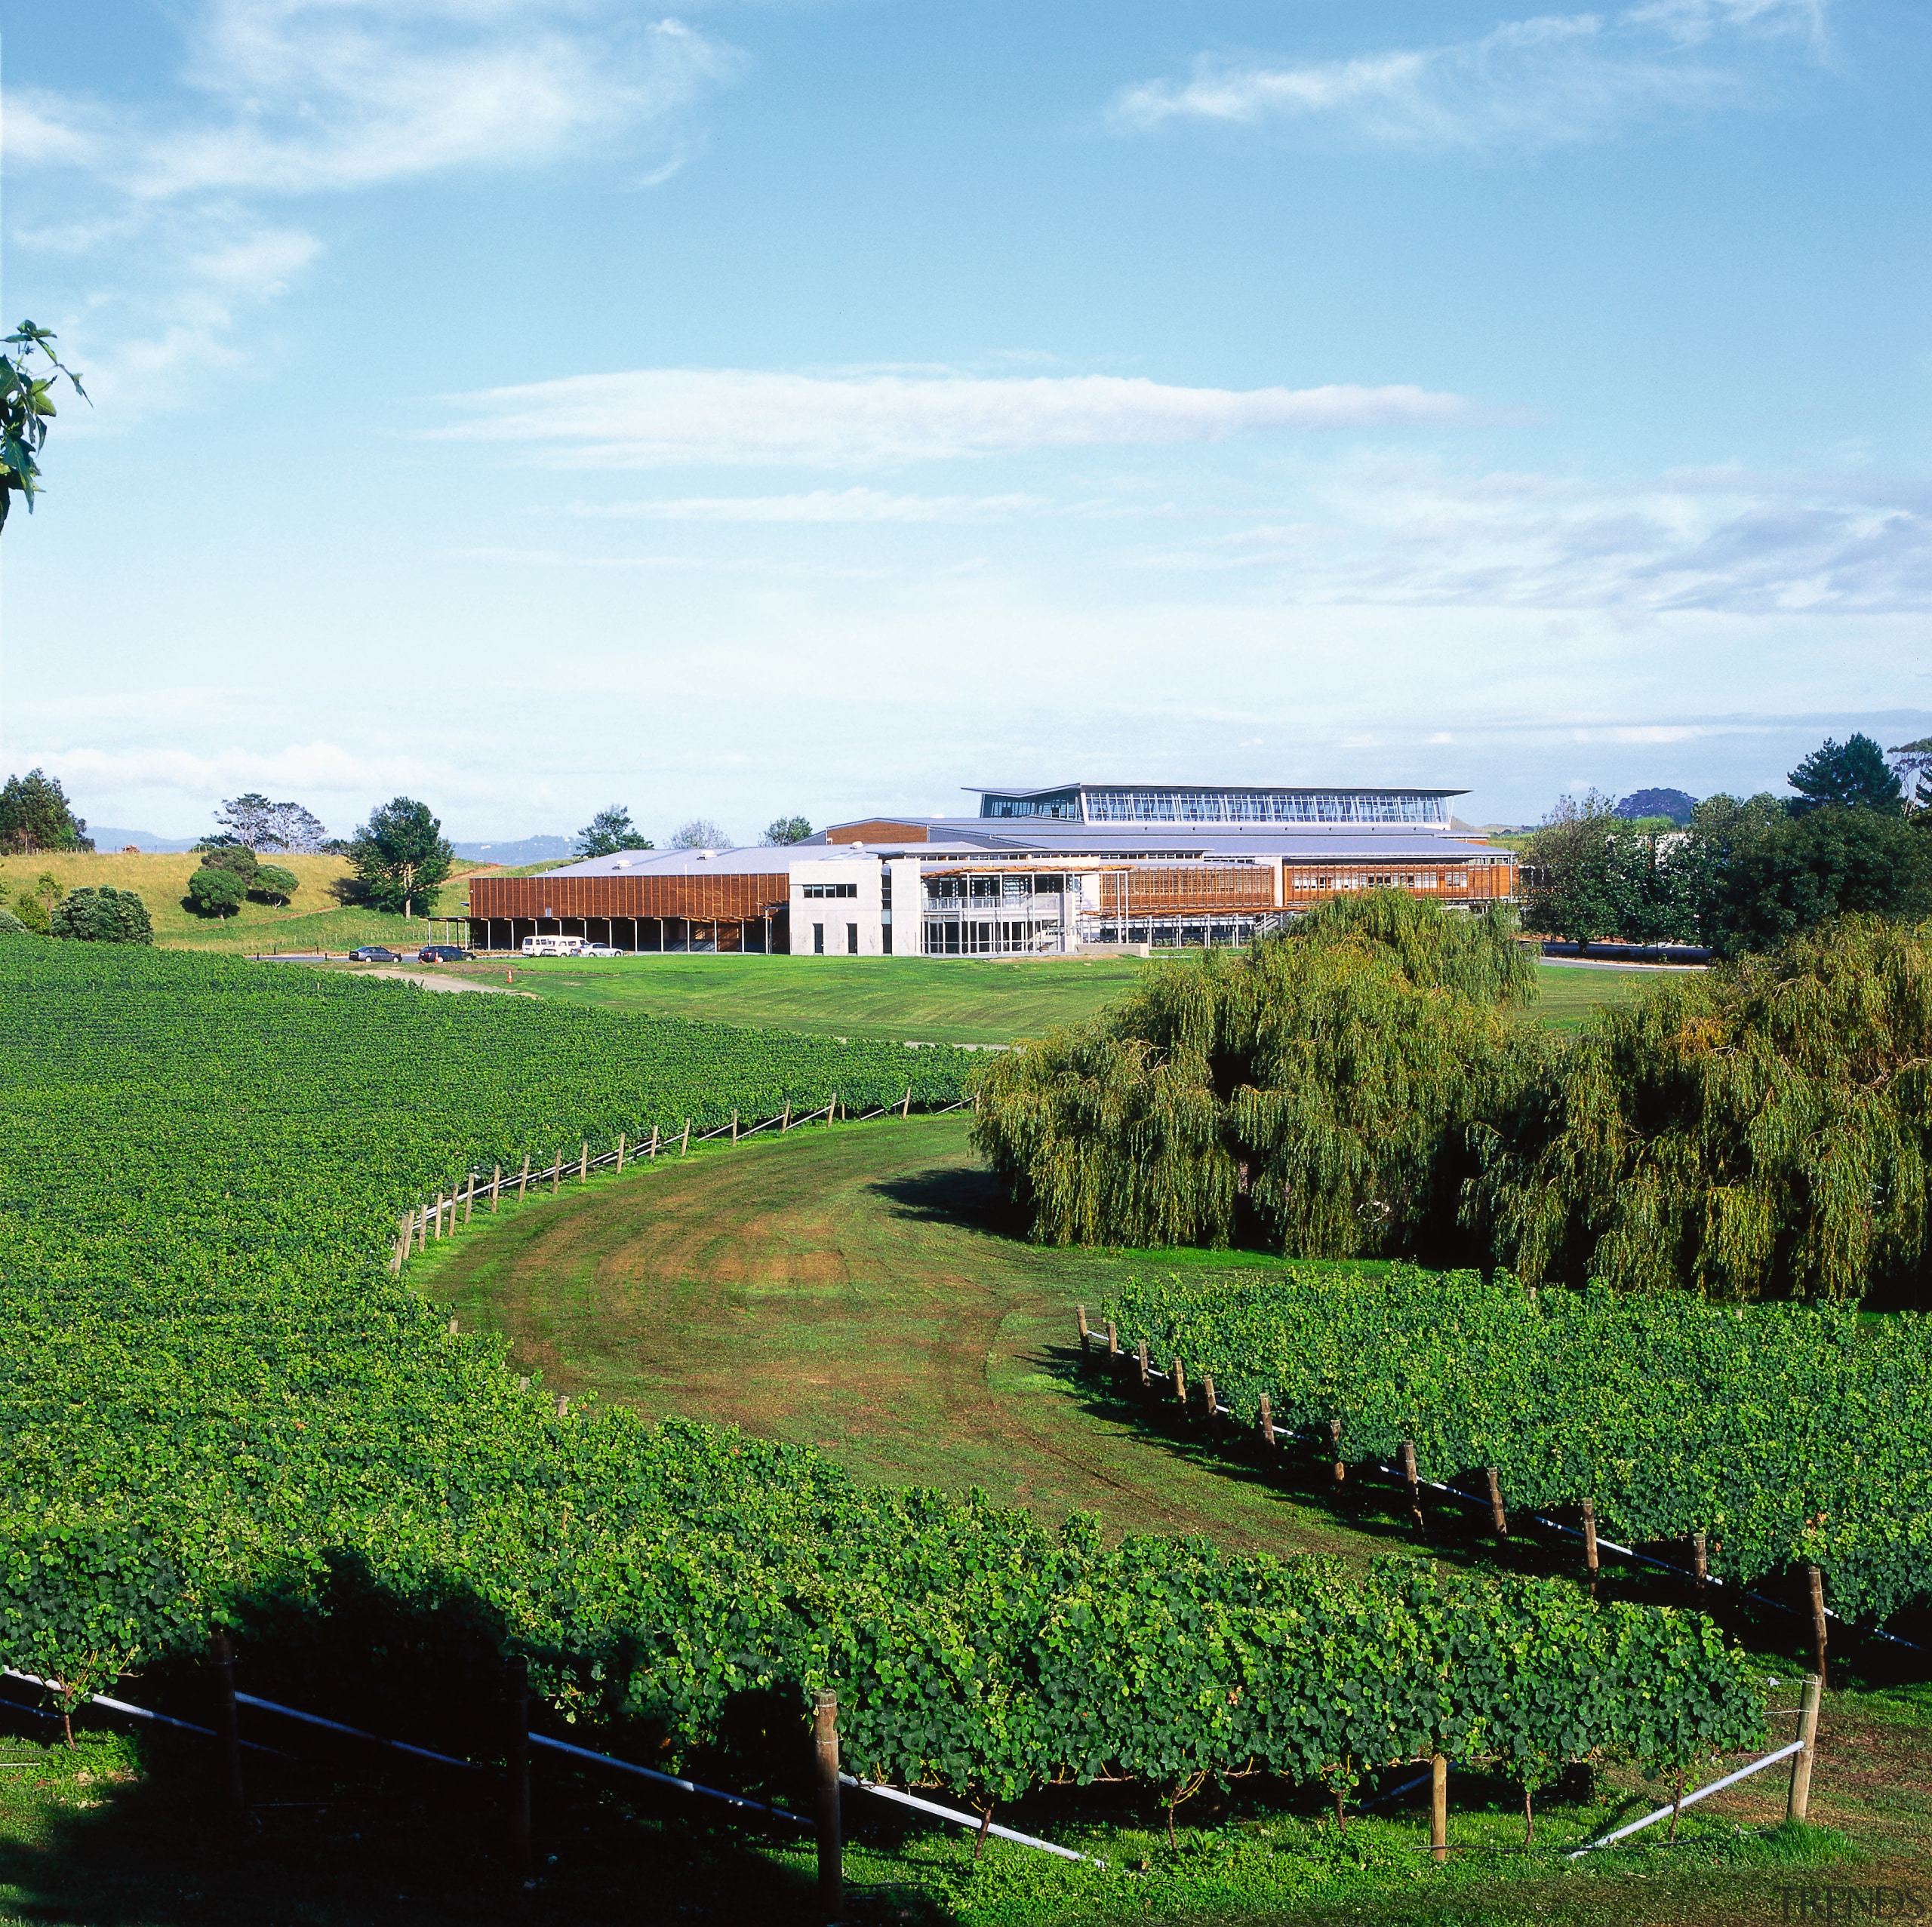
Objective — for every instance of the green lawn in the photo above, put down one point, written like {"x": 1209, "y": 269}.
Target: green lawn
{"x": 931, "y": 1000}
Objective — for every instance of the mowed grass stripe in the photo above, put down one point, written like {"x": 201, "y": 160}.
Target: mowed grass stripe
{"x": 856, "y": 1290}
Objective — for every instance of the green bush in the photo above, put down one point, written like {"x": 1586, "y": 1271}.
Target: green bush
{"x": 217, "y": 892}
{"x": 275, "y": 883}
{"x": 32, "y": 911}
{"x": 11, "y": 926}
{"x": 236, "y": 856}
{"x": 105, "y": 915}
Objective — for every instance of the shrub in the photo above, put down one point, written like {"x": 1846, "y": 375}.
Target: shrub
{"x": 10, "y": 925}
{"x": 32, "y": 912}
{"x": 275, "y": 883}
{"x": 216, "y": 892}
{"x": 236, "y": 856}
{"x": 105, "y": 915}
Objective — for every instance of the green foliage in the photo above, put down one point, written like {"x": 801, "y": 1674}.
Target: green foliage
{"x": 275, "y": 883}
{"x": 103, "y": 915}
{"x": 26, "y": 406}
{"x": 1671, "y": 807}
{"x": 1312, "y": 1081}
{"x": 225, "y": 853}
{"x": 31, "y": 912}
{"x": 34, "y": 810}
{"x": 198, "y": 1332}
{"x": 786, "y": 830}
{"x": 1590, "y": 873}
{"x": 1853, "y": 776}
{"x": 217, "y": 890}
{"x": 11, "y": 926}
{"x": 1785, "y": 1433}
{"x": 609, "y": 831}
{"x": 401, "y": 857}
{"x": 253, "y": 821}
{"x": 1765, "y": 1131}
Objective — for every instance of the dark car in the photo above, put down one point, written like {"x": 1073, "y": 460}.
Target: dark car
{"x": 442, "y": 953}
{"x": 374, "y": 953}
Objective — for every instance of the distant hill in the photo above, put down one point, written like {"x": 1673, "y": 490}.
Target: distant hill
{"x": 529, "y": 849}
{"x": 110, "y": 840}
{"x": 1672, "y": 802}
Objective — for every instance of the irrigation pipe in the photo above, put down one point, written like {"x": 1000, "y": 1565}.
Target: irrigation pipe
{"x": 971, "y": 1820}
{"x": 136, "y": 1712}
{"x": 668, "y": 1779}
{"x": 354, "y": 1732}
{"x": 1691, "y": 1799}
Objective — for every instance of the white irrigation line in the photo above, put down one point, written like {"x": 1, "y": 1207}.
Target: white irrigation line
{"x": 1690, "y": 1799}
{"x": 669, "y": 1779}
{"x": 137, "y": 1712}
{"x": 353, "y": 1733}
{"x": 971, "y": 1820}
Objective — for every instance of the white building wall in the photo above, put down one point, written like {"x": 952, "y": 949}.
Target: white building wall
{"x": 847, "y": 921}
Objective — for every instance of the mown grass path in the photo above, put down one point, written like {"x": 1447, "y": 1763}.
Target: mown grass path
{"x": 858, "y": 1289}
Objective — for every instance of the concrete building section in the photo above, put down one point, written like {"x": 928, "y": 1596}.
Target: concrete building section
{"x": 1046, "y": 872}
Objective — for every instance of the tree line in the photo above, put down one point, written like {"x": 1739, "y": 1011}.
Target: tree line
{"x": 1744, "y": 873}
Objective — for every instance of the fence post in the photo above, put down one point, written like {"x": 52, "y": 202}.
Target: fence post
{"x": 1113, "y": 1341}
{"x": 556, "y": 1172}
{"x": 1497, "y": 1518}
{"x": 583, "y": 1162}
{"x": 469, "y": 1198}
{"x": 831, "y": 1111}
{"x": 402, "y": 1228}
{"x": 1409, "y": 1479}
{"x": 1817, "y": 1580}
{"x": 1699, "y": 1563}
{"x": 825, "y": 1746}
{"x": 1213, "y": 1398}
{"x": 228, "y": 1737}
{"x": 1590, "y": 1543}
{"x": 523, "y": 1181}
{"x": 1335, "y": 1444}
{"x": 496, "y": 1188}
{"x": 1180, "y": 1388}
{"x": 905, "y": 1108}
{"x": 1799, "y": 1803}
{"x": 516, "y": 1695}
{"x": 1147, "y": 1383}
{"x": 785, "y": 1123}
{"x": 684, "y": 1150}
{"x": 734, "y": 1126}
{"x": 653, "y": 1143}
{"x": 1267, "y": 1421}
{"x": 1438, "y": 1810}
{"x": 620, "y": 1153}
{"x": 1080, "y": 1312}
{"x": 422, "y": 1229}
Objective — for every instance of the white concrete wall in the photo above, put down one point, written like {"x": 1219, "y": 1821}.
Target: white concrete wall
{"x": 836, "y": 914}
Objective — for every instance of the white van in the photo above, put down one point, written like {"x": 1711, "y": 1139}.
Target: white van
{"x": 553, "y": 946}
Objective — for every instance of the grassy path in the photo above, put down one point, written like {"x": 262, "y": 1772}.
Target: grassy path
{"x": 856, "y": 1289}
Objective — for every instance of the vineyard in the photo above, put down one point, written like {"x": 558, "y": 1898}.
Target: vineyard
{"x": 219, "y": 1406}
{"x": 1787, "y": 1435}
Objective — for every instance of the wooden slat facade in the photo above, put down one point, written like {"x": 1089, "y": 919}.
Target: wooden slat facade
{"x": 725, "y": 896}
{"x": 1303, "y": 884}
{"x": 1182, "y": 889}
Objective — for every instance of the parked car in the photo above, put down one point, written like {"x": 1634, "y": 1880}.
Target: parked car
{"x": 553, "y": 946}
{"x": 600, "y": 950}
{"x": 443, "y": 953}
{"x": 374, "y": 953}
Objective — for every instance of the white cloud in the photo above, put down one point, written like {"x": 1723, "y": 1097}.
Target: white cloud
{"x": 655, "y": 416}
{"x": 822, "y": 505}
{"x": 1548, "y": 80}
{"x": 322, "y": 769}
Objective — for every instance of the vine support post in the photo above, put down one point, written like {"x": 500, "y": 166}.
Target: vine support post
{"x": 1798, "y": 1802}
{"x": 1180, "y": 1388}
{"x": 825, "y": 1749}
{"x": 1146, "y": 1382}
{"x": 1079, "y": 1313}
{"x": 469, "y": 1197}
{"x": 653, "y": 1143}
{"x": 402, "y": 1230}
{"x": 1438, "y": 1810}
{"x": 1341, "y": 1471}
{"x": 422, "y": 1229}
{"x": 1590, "y": 1543}
{"x": 1700, "y": 1563}
{"x": 496, "y": 1189}
{"x": 785, "y": 1123}
{"x": 831, "y": 1111}
{"x": 905, "y": 1105}
{"x": 1267, "y": 1422}
{"x": 1817, "y": 1580}
{"x": 1210, "y": 1399}
{"x": 684, "y": 1149}
{"x": 227, "y": 1729}
{"x": 516, "y": 1760}
{"x": 523, "y": 1181}
{"x": 1409, "y": 1479}
{"x": 1113, "y": 1341}
{"x": 556, "y": 1172}
{"x": 734, "y": 1127}
{"x": 1498, "y": 1518}
{"x": 620, "y": 1153}
{"x": 583, "y": 1162}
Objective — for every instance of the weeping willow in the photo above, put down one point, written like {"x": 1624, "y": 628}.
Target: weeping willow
{"x": 1762, "y": 1132}
{"x": 1314, "y": 1089}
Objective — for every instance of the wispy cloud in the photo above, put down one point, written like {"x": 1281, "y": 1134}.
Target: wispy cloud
{"x": 1547, "y": 81}
{"x": 819, "y": 506}
{"x": 656, "y": 416}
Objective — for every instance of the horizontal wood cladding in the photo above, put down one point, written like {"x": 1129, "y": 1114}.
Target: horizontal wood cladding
{"x": 724, "y": 895}
{"x": 1452, "y": 883}
{"x": 879, "y": 829}
{"x": 1176, "y": 889}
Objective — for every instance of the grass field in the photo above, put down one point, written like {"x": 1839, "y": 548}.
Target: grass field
{"x": 315, "y": 920}
{"x": 928, "y": 1000}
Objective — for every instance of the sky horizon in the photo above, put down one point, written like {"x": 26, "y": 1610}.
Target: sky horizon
{"x": 816, "y": 406}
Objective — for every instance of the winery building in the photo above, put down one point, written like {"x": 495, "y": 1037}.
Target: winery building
{"x": 1033, "y": 872}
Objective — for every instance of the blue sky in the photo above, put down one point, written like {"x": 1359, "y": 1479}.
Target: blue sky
{"x": 526, "y": 404}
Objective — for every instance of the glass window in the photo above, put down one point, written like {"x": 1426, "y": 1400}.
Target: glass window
{"x": 818, "y": 939}
{"x": 851, "y": 939}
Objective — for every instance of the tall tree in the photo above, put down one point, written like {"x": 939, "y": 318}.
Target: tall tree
{"x": 1575, "y": 885}
{"x": 1854, "y": 775}
{"x": 786, "y": 830}
{"x": 1912, "y": 763}
{"x": 609, "y": 831}
{"x": 700, "y": 834}
{"x": 35, "y": 815}
{"x": 254, "y": 820}
{"x": 26, "y": 406}
{"x": 1677, "y": 804}
{"x": 401, "y": 857}
{"x": 103, "y": 915}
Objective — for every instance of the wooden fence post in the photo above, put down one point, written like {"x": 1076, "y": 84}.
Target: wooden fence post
{"x": 620, "y": 1153}
{"x": 439, "y": 1217}
{"x": 1414, "y": 1485}
{"x": 1213, "y": 1398}
{"x": 785, "y": 1123}
{"x": 1817, "y": 1580}
{"x": 1147, "y": 1383}
{"x": 1080, "y": 1312}
{"x": 1341, "y": 1471}
{"x": 831, "y": 1111}
{"x": 469, "y": 1198}
{"x": 685, "y": 1150}
{"x": 825, "y": 1747}
{"x": 496, "y": 1188}
{"x": 1438, "y": 1810}
{"x": 1797, "y": 1803}
{"x": 583, "y": 1162}
{"x": 905, "y": 1108}
{"x": 1267, "y": 1421}
{"x": 403, "y": 1227}
{"x": 556, "y": 1172}
{"x": 1180, "y": 1388}
{"x": 734, "y": 1126}
{"x": 422, "y": 1229}
{"x": 1113, "y": 1340}
{"x": 1699, "y": 1563}
{"x": 523, "y": 1181}
{"x": 227, "y": 1731}
{"x": 1498, "y": 1519}
{"x": 516, "y": 1697}
{"x": 1590, "y": 1543}
{"x": 653, "y": 1143}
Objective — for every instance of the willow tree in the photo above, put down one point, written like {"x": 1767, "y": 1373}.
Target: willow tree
{"x": 1314, "y": 1089}
{"x": 1762, "y": 1132}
